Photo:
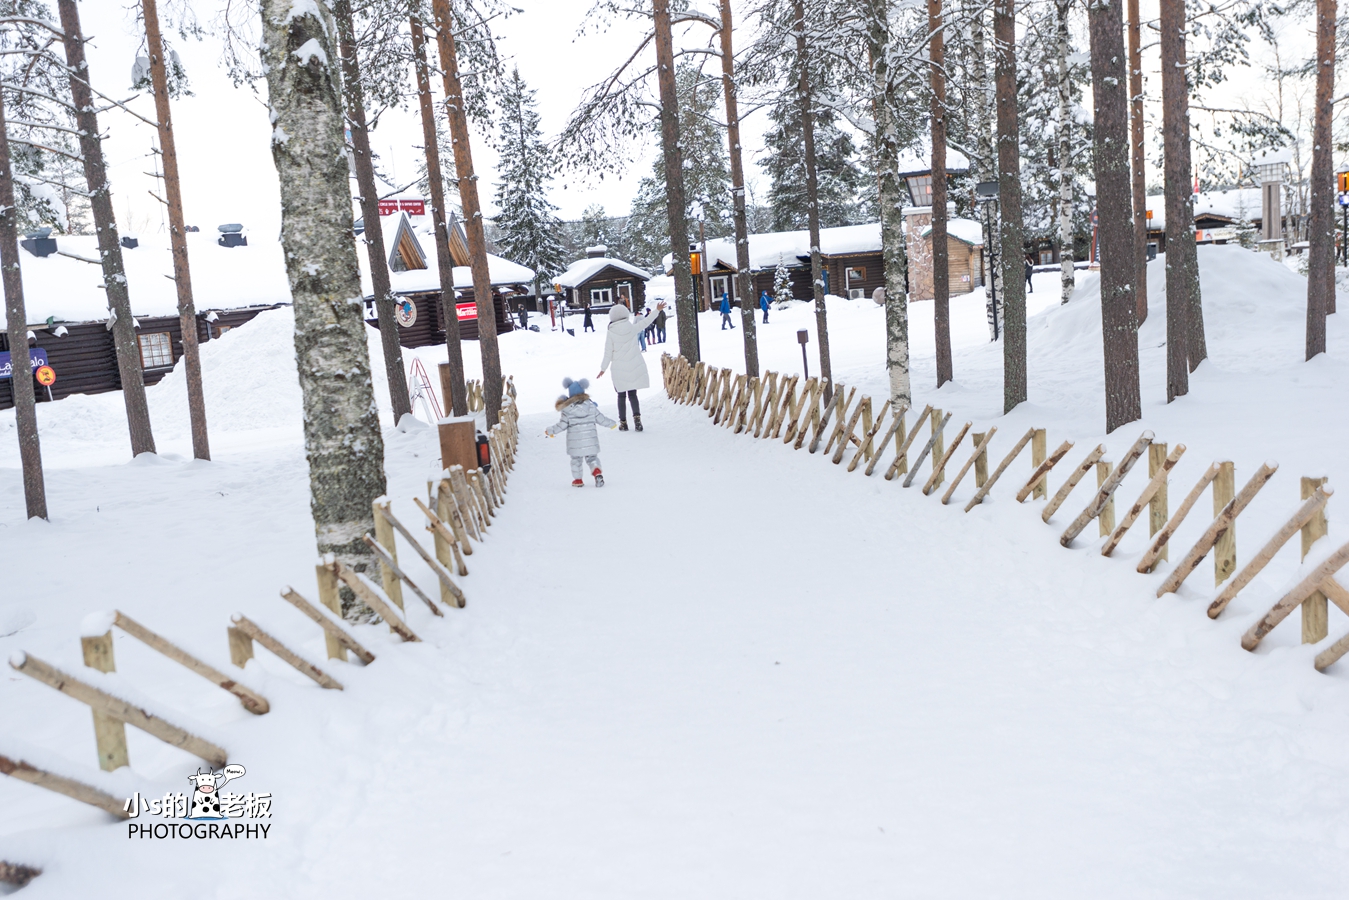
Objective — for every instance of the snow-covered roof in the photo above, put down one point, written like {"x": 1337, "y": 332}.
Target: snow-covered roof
{"x": 967, "y": 230}
{"x": 1274, "y": 157}
{"x": 416, "y": 280}
{"x": 787, "y": 247}
{"x": 917, "y": 159}
{"x": 1237, "y": 204}
{"x": 71, "y": 289}
{"x": 583, "y": 270}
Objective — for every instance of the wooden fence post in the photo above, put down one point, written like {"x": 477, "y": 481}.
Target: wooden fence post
{"x": 384, "y": 535}
{"x": 937, "y": 428}
{"x": 997, "y": 473}
{"x": 1225, "y": 552}
{"x": 939, "y": 466}
{"x": 1160, "y": 540}
{"x": 1157, "y": 508}
{"x": 981, "y": 462}
{"x": 328, "y": 596}
{"x": 251, "y": 700}
{"x": 447, "y": 584}
{"x": 1315, "y": 622}
{"x": 1106, "y": 520}
{"x": 295, "y": 599}
{"x": 901, "y": 462}
{"x": 1040, "y": 476}
{"x": 1156, "y": 483}
{"x": 896, "y": 427}
{"x": 290, "y": 657}
{"x": 869, "y": 437}
{"x": 847, "y": 433}
{"x": 1038, "y": 450}
{"x": 109, "y": 733}
{"x": 980, "y": 452}
{"x": 1110, "y": 481}
{"x": 363, "y": 589}
{"x": 1221, "y": 525}
{"x": 241, "y": 647}
{"x": 1066, "y": 488}
{"x": 447, "y": 508}
{"x": 402, "y": 576}
{"x": 1328, "y": 567}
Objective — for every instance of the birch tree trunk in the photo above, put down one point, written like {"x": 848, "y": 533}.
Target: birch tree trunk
{"x": 458, "y": 399}
{"x": 1138, "y": 163}
{"x": 16, "y": 319}
{"x": 473, "y": 224}
{"x": 182, "y": 275}
{"x": 343, "y": 444}
{"x": 129, "y": 369}
{"x": 941, "y": 275}
{"x": 1009, "y": 202}
{"x": 1119, "y": 268}
{"x": 748, "y": 302}
{"x": 686, "y": 308}
{"x": 987, "y": 168}
{"x": 890, "y": 194}
{"x": 354, "y": 96}
{"x": 807, "y": 103}
{"x": 1067, "y": 277}
{"x": 1321, "y": 230}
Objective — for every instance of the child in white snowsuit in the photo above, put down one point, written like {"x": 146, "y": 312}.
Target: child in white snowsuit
{"x": 580, "y": 415}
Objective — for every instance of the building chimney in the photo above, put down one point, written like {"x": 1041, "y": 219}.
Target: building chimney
{"x": 597, "y": 252}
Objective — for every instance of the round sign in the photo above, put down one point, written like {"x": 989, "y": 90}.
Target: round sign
{"x": 46, "y": 376}
{"x": 406, "y": 313}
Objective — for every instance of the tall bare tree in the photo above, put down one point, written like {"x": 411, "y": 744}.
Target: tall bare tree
{"x": 804, "y": 98}
{"x": 941, "y": 274}
{"x": 1321, "y": 255}
{"x": 1009, "y": 203}
{"x": 343, "y": 443}
{"x": 173, "y": 195}
{"x": 743, "y": 276}
{"x": 1119, "y": 267}
{"x": 129, "y": 368}
{"x": 1136, "y": 147}
{"x": 353, "y": 91}
{"x": 16, "y": 320}
{"x": 457, "y": 400}
{"x": 456, "y": 111}
{"x": 676, "y": 204}
{"x": 1067, "y": 165}
{"x": 1182, "y": 265}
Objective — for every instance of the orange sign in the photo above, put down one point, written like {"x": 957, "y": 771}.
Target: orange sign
{"x": 46, "y": 376}
{"x": 1149, "y": 215}
{"x": 1343, "y": 179}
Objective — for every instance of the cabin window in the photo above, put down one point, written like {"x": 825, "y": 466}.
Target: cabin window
{"x": 625, "y": 292}
{"x": 221, "y": 329}
{"x": 920, "y": 189}
{"x": 721, "y": 284}
{"x": 156, "y": 350}
{"x": 601, "y": 296}
{"x": 857, "y": 273}
{"x": 1046, "y": 257}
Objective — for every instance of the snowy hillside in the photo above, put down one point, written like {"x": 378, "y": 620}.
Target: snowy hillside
{"x": 736, "y": 671}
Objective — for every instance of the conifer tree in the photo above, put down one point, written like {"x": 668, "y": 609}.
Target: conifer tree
{"x": 529, "y": 227}
{"x": 782, "y": 283}
{"x": 840, "y": 177}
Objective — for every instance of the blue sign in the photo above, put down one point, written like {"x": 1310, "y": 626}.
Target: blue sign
{"x": 1344, "y": 199}
{"x": 7, "y": 368}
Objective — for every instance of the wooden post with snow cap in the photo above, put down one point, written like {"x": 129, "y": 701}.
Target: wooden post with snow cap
{"x": 328, "y": 596}
{"x": 1061, "y": 495}
{"x": 980, "y": 452}
{"x": 366, "y": 591}
{"x": 1160, "y": 539}
{"x": 900, "y": 465}
{"x": 59, "y": 784}
{"x": 939, "y": 469}
{"x": 251, "y": 700}
{"x": 1315, "y": 615}
{"x": 384, "y": 535}
{"x": 329, "y": 626}
{"x": 1038, "y": 450}
{"x": 109, "y": 732}
{"x": 1225, "y": 551}
{"x": 117, "y": 708}
{"x": 1105, "y": 522}
{"x": 1036, "y": 482}
{"x": 869, "y": 437}
{"x": 1221, "y": 525}
{"x": 284, "y": 653}
{"x": 997, "y": 473}
{"x": 981, "y": 463}
{"x": 1156, "y": 483}
{"x": 1109, "y": 482}
{"x": 1305, "y": 513}
{"x": 1294, "y": 598}
{"x": 937, "y": 427}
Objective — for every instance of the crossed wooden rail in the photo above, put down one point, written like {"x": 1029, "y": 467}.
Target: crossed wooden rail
{"x": 773, "y": 407}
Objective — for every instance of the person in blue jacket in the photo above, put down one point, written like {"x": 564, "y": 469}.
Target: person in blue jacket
{"x": 726, "y": 311}
{"x": 763, "y": 305}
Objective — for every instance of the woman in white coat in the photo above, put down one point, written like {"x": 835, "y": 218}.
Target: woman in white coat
{"x": 623, "y": 352}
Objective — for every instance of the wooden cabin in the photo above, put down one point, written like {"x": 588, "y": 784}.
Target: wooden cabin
{"x": 850, "y": 257}
{"x": 599, "y": 281}
{"x": 415, "y": 279}
{"x": 67, "y": 311}
{"x": 964, "y": 255}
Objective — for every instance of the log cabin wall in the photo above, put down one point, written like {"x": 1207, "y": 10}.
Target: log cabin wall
{"x": 609, "y": 278}
{"x": 429, "y": 326}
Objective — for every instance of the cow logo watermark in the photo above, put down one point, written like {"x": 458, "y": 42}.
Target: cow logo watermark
{"x": 209, "y": 807}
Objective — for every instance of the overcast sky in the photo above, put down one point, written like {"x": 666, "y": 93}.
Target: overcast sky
{"x": 223, "y": 133}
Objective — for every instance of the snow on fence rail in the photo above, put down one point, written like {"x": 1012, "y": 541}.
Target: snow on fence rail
{"x": 773, "y": 408}
{"x": 466, "y": 503}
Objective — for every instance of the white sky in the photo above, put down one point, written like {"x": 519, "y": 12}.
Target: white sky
{"x": 223, "y": 133}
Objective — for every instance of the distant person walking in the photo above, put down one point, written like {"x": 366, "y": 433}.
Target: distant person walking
{"x": 1030, "y": 270}
{"x": 763, "y": 305}
{"x": 726, "y": 311}
{"x": 622, "y": 351}
{"x": 660, "y": 327}
{"x": 524, "y": 316}
{"x": 589, "y": 323}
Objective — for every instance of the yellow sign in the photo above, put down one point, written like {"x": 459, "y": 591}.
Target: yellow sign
{"x": 46, "y": 376}
{"x": 696, "y": 262}
{"x": 1343, "y": 179}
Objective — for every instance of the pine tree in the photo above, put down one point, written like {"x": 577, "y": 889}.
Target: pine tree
{"x": 782, "y": 283}
{"x": 840, "y": 176}
{"x": 595, "y": 230}
{"x": 527, "y": 221}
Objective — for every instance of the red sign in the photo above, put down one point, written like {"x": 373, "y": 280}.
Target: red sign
{"x": 46, "y": 376}
{"x": 466, "y": 310}
{"x": 388, "y": 207}
{"x": 413, "y": 207}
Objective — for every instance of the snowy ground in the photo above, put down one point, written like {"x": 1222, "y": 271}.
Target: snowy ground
{"x": 736, "y": 671}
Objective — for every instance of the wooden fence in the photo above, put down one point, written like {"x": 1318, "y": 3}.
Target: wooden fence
{"x": 812, "y": 415}
{"x": 466, "y": 503}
